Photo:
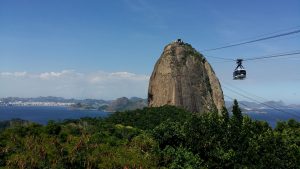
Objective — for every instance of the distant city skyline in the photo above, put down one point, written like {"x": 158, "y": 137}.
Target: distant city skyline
{"x": 107, "y": 49}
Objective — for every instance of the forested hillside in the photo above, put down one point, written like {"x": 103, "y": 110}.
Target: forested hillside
{"x": 164, "y": 137}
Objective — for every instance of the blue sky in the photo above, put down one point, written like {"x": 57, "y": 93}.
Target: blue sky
{"x": 107, "y": 49}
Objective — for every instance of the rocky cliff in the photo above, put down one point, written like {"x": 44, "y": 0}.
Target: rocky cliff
{"x": 182, "y": 77}
{"x": 123, "y": 103}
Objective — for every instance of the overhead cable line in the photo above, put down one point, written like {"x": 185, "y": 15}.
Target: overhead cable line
{"x": 272, "y": 107}
{"x": 246, "y": 92}
{"x": 235, "y": 99}
{"x": 253, "y": 95}
{"x": 297, "y": 52}
{"x": 255, "y": 40}
{"x": 266, "y": 34}
{"x": 273, "y": 56}
{"x": 245, "y": 105}
{"x": 267, "y": 105}
{"x": 221, "y": 58}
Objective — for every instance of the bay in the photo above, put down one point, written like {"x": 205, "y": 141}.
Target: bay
{"x": 273, "y": 116}
{"x": 42, "y": 114}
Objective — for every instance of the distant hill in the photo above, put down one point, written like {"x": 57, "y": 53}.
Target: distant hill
{"x": 120, "y": 104}
{"x": 50, "y": 99}
{"x": 246, "y": 106}
{"x": 124, "y": 103}
{"x": 8, "y": 100}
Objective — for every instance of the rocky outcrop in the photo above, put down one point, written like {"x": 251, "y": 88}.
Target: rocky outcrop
{"x": 123, "y": 103}
{"x": 182, "y": 77}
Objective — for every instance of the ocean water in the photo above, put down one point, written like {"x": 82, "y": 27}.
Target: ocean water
{"x": 273, "y": 116}
{"x": 42, "y": 114}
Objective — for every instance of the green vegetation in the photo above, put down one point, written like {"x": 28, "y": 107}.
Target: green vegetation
{"x": 191, "y": 51}
{"x": 11, "y": 123}
{"x": 165, "y": 137}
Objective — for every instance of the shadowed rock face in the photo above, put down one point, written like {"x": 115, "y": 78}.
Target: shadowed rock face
{"x": 182, "y": 77}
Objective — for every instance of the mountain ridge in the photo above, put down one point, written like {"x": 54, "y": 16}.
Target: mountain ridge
{"x": 245, "y": 105}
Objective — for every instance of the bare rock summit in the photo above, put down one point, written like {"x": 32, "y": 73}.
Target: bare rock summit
{"x": 182, "y": 77}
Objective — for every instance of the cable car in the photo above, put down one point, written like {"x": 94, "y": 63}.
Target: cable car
{"x": 239, "y": 72}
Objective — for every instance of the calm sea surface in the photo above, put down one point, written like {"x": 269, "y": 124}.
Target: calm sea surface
{"x": 272, "y": 116}
{"x": 43, "y": 114}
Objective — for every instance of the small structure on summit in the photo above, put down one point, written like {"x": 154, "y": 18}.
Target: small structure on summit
{"x": 182, "y": 77}
{"x": 179, "y": 41}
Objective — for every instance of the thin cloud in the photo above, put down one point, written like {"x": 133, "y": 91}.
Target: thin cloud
{"x": 72, "y": 84}
{"x": 49, "y": 75}
{"x": 13, "y": 74}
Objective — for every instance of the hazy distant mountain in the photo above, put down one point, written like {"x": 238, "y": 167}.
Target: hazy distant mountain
{"x": 124, "y": 103}
{"x": 295, "y": 106}
{"x": 119, "y": 104}
{"x": 52, "y": 99}
{"x": 264, "y": 105}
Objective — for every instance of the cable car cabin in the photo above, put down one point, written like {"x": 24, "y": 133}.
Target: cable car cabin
{"x": 239, "y": 74}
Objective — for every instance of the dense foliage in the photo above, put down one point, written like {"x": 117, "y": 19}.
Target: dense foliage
{"x": 165, "y": 137}
{"x": 13, "y": 122}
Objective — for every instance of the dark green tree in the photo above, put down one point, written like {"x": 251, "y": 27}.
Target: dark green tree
{"x": 180, "y": 158}
{"x": 235, "y": 127}
{"x": 169, "y": 133}
{"x": 53, "y": 128}
{"x": 237, "y": 113}
{"x": 225, "y": 115}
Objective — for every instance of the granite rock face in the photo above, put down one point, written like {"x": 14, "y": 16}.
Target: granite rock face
{"x": 182, "y": 77}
